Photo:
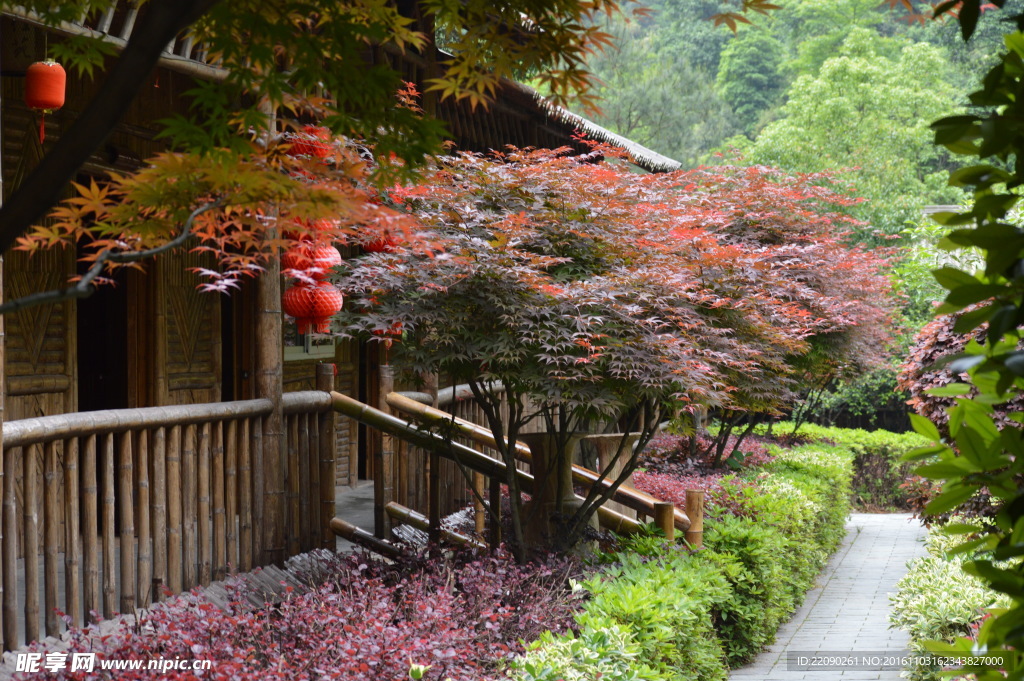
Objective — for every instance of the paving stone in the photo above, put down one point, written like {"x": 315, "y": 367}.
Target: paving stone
{"x": 847, "y": 612}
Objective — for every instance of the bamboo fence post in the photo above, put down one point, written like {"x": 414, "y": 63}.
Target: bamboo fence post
{"x": 383, "y": 483}
{"x": 143, "y": 524}
{"x": 51, "y": 537}
{"x": 90, "y": 528}
{"x": 72, "y": 538}
{"x": 159, "y": 514}
{"x": 109, "y": 519}
{"x": 127, "y": 512}
{"x": 8, "y": 536}
{"x": 10, "y": 551}
{"x": 270, "y": 486}
{"x": 189, "y": 508}
{"x": 312, "y": 457}
{"x": 479, "y": 510}
{"x": 433, "y": 474}
{"x": 328, "y": 461}
{"x": 231, "y": 495}
{"x": 695, "y": 510}
{"x": 175, "y": 571}
{"x": 494, "y": 500}
{"x": 665, "y": 518}
{"x": 293, "y": 482}
{"x": 30, "y": 530}
{"x": 302, "y": 480}
{"x": 220, "y": 555}
{"x": 204, "y": 519}
{"x": 246, "y": 549}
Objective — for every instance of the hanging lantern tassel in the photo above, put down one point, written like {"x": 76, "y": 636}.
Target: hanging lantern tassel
{"x": 45, "y": 83}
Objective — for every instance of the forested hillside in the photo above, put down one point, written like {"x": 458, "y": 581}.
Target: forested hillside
{"x": 818, "y": 85}
{"x": 841, "y": 86}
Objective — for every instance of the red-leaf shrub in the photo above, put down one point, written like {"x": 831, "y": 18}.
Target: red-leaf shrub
{"x": 367, "y": 621}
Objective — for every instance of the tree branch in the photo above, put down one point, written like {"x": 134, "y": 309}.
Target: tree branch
{"x": 157, "y": 26}
{"x": 83, "y": 288}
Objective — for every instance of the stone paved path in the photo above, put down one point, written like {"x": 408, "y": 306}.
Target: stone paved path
{"x": 846, "y": 614}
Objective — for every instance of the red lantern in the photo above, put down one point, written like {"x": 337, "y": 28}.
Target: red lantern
{"x": 312, "y": 305}
{"x": 307, "y": 256}
{"x": 45, "y": 83}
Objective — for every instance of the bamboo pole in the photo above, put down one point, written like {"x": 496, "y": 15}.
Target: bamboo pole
{"x": 246, "y": 550}
{"x": 312, "y": 457}
{"x": 494, "y": 499}
{"x": 695, "y": 509}
{"x": 143, "y": 523}
{"x": 328, "y": 461}
{"x": 404, "y": 514}
{"x": 90, "y": 528}
{"x": 72, "y": 537}
{"x": 127, "y": 508}
{"x": 189, "y": 508}
{"x": 294, "y": 521}
{"x": 360, "y": 536}
{"x": 470, "y": 458}
{"x": 220, "y": 556}
{"x": 8, "y": 536}
{"x": 204, "y": 517}
{"x": 109, "y": 510}
{"x": 160, "y": 534}
{"x": 383, "y": 482}
{"x": 51, "y": 538}
{"x": 30, "y": 530}
{"x": 10, "y": 550}
{"x": 175, "y": 566}
{"x": 270, "y": 487}
{"x": 627, "y": 496}
{"x": 231, "y": 495}
{"x": 664, "y": 517}
{"x": 479, "y": 509}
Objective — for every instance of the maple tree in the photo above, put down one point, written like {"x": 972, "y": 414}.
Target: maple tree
{"x": 305, "y": 60}
{"x": 592, "y": 295}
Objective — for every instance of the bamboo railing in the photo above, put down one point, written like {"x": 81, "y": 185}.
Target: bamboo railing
{"x": 127, "y": 504}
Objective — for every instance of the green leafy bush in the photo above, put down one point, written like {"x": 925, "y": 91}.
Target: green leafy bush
{"x": 692, "y": 615}
{"x": 937, "y": 600}
{"x": 878, "y": 469}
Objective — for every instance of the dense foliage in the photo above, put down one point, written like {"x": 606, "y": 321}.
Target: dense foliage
{"x": 938, "y": 600}
{"x": 593, "y": 294}
{"x": 692, "y": 615}
{"x": 360, "y": 618}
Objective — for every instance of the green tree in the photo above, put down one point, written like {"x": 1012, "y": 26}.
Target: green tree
{"x": 840, "y": 118}
{"x": 750, "y": 79}
{"x": 667, "y": 105}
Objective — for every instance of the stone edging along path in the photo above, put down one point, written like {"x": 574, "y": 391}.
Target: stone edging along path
{"x": 845, "y": 616}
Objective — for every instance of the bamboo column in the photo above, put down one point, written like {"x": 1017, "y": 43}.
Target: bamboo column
{"x": 72, "y": 539}
{"x": 8, "y": 574}
{"x": 270, "y": 491}
{"x": 127, "y": 513}
{"x": 383, "y": 481}
{"x": 665, "y": 518}
{"x": 434, "y": 469}
{"x": 328, "y": 463}
{"x": 158, "y": 516}
{"x": 695, "y": 510}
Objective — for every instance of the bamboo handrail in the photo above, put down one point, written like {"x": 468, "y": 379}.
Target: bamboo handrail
{"x": 63, "y": 426}
{"x": 408, "y": 516}
{"x": 470, "y": 458}
{"x": 357, "y": 535}
{"x": 625, "y": 495}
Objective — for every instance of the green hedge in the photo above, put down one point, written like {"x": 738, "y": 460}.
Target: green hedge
{"x": 664, "y": 612}
{"x": 878, "y": 470}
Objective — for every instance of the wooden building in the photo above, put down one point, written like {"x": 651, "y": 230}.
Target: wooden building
{"x": 147, "y": 425}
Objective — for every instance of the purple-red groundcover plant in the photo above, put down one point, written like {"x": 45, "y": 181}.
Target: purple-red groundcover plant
{"x": 460, "y": 616}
